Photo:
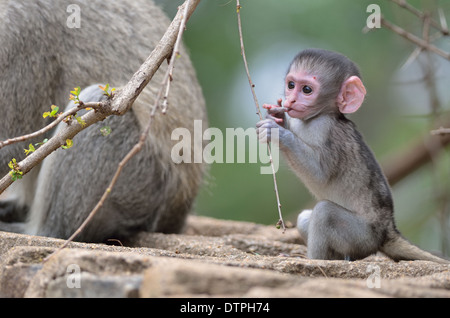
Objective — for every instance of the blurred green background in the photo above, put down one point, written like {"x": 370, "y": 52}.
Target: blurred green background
{"x": 396, "y": 111}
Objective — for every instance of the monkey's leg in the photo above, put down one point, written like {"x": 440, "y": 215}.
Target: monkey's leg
{"x": 303, "y": 224}
{"x": 336, "y": 233}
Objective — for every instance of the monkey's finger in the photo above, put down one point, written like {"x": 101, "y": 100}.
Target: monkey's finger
{"x": 278, "y": 120}
{"x": 269, "y": 106}
{"x": 277, "y": 111}
{"x": 279, "y": 101}
{"x": 265, "y": 122}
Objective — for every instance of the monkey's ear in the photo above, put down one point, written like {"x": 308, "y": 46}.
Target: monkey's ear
{"x": 351, "y": 95}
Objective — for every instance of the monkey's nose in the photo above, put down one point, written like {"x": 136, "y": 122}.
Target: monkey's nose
{"x": 288, "y": 102}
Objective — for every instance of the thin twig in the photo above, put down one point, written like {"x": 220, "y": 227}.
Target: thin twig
{"x": 57, "y": 140}
{"x": 443, "y": 20}
{"x": 61, "y": 117}
{"x": 175, "y": 54}
{"x": 440, "y": 131}
{"x": 442, "y": 27}
{"x": 258, "y": 112}
{"x": 416, "y": 155}
{"x": 412, "y": 57}
{"x": 138, "y": 146}
{"x": 414, "y": 39}
{"x": 118, "y": 105}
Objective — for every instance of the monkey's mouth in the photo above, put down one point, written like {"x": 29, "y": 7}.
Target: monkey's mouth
{"x": 296, "y": 111}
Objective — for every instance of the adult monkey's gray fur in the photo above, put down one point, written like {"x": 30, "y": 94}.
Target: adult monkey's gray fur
{"x": 354, "y": 217}
{"x": 41, "y": 60}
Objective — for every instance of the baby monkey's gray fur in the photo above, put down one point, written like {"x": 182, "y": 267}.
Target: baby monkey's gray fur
{"x": 354, "y": 217}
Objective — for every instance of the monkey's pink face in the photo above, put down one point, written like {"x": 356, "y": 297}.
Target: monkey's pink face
{"x": 301, "y": 92}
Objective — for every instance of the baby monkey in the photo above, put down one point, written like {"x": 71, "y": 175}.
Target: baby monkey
{"x": 354, "y": 216}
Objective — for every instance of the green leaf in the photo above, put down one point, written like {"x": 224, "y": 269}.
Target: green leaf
{"x": 69, "y": 144}
{"x": 15, "y": 175}
{"x": 54, "y": 110}
{"x": 41, "y": 143}
{"x": 52, "y": 113}
{"x": 75, "y": 95}
{"x": 76, "y": 91}
{"x": 15, "y": 172}
{"x": 30, "y": 149}
{"x": 106, "y": 90}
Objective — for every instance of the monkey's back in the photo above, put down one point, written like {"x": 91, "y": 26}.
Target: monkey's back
{"x": 42, "y": 59}
{"x": 362, "y": 186}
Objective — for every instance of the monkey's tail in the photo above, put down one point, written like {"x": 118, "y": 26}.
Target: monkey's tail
{"x": 400, "y": 249}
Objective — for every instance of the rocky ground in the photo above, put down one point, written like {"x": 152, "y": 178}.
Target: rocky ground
{"x": 213, "y": 258}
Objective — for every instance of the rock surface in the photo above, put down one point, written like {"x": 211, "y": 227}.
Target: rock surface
{"x": 213, "y": 258}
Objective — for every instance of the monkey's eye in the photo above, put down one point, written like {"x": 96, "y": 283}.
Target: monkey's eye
{"x": 307, "y": 90}
{"x": 291, "y": 85}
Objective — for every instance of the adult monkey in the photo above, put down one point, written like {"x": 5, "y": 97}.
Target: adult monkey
{"x": 354, "y": 217}
{"x": 43, "y": 56}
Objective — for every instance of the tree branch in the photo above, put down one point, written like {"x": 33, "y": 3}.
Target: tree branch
{"x": 163, "y": 51}
{"x": 441, "y": 27}
{"x": 414, "y": 39}
{"x": 424, "y": 149}
{"x": 121, "y": 101}
{"x": 421, "y": 152}
{"x": 52, "y": 125}
{"x": 68, "y": 132}
{"x": 258, "y": 112}
{"x": 440, "y": 131}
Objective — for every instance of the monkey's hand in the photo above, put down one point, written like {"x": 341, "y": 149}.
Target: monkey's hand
{"x": 275, "y": 119}
{"x": 276, "y": 113}
{"x": 265, "y": 128}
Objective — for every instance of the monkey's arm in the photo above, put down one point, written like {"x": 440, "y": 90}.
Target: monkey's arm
{"x": 304, "y": 156}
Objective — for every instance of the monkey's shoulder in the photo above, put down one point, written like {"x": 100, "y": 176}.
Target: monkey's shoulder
{"x": 314, "y": 132}
{"x": 340, "y": 130}
{"x": 325, "y": 129}
{"x": 338, "y": 139}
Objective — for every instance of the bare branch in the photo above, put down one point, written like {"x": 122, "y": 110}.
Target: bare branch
{"x": 68, "y": 132}
{"x": 415, "y": 156}
{"x": 443, "y": 21}
{"x": 442, "y": 27}
{"x": 414, "y": 39}
{"x": 163, "y": 51}
{"x": 440, "y": 131}
{"x": 175, "y": 53}
{"x": 118, "y": 105}
{"x": 258, "y": 112}
{"x": 52, "y": 125}
{"x": 413, "y": 56}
